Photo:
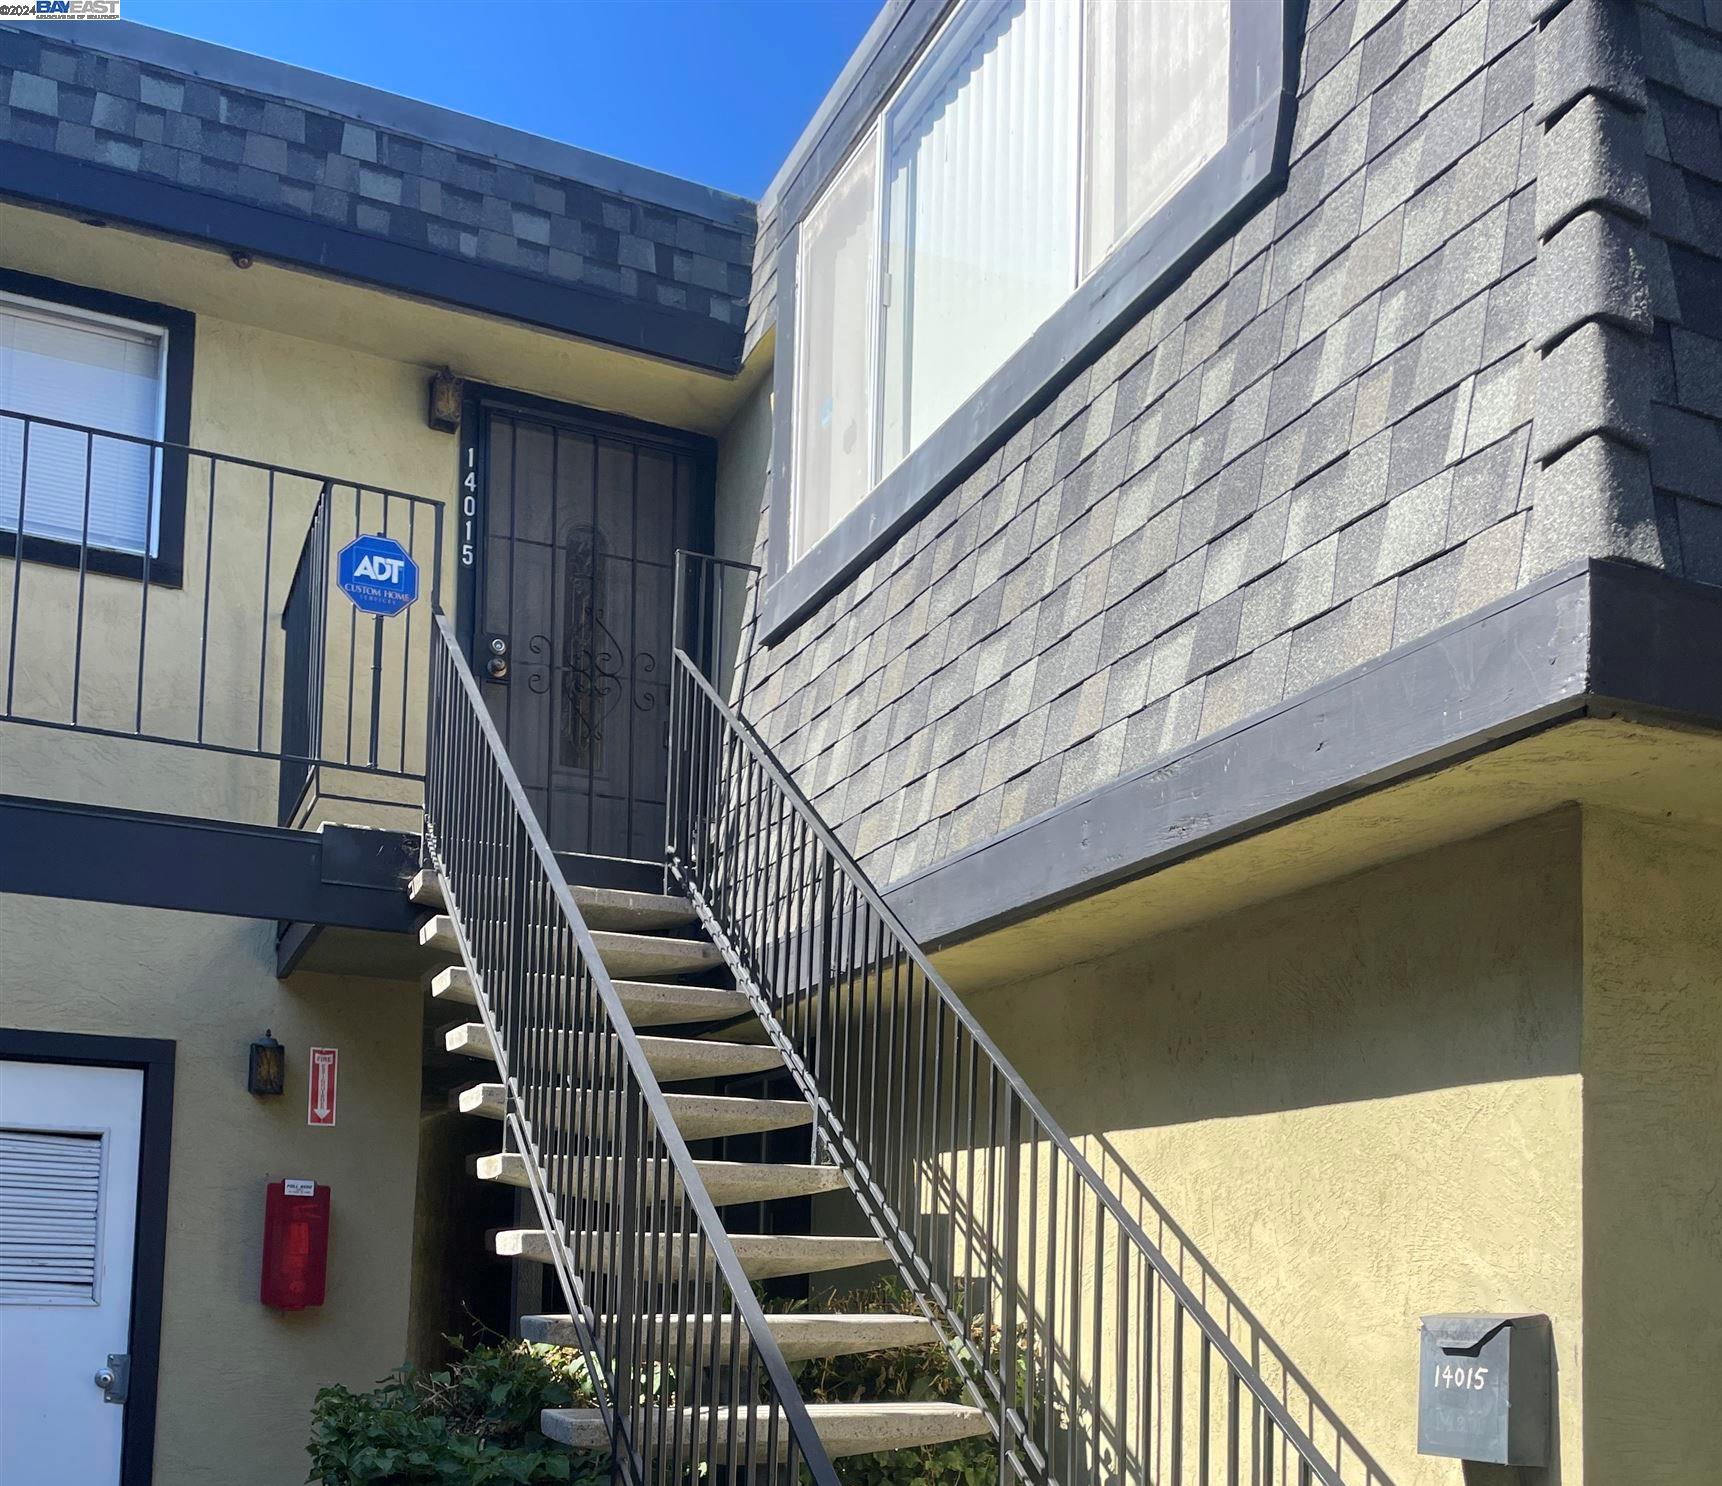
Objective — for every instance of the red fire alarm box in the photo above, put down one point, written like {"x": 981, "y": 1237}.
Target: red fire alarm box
{"x": 295, "y": 1244}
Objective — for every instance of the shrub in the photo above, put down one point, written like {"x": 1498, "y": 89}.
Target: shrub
{"x": 908, "y": 1374}
{"x": 473, "y": 1422}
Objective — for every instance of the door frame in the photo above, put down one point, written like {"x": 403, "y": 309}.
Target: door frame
{"x": 154, "y": 1056}
{"x": 471, "y": 524}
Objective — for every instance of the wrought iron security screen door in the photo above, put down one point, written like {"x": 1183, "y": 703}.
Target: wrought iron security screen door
{"x": 582, "y": 523}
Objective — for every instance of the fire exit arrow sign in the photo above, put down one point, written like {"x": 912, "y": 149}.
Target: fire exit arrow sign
{"x": 321, "y": 1094}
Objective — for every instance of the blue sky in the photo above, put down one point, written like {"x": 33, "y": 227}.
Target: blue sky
{"x": 714, "y": 90}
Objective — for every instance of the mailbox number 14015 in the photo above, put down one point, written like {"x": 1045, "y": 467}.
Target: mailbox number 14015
{"x": 1466, "y": 1375}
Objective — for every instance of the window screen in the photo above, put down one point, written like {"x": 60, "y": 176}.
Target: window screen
{"x": 88, "y": 369}
{"x": 50, "y": 1216}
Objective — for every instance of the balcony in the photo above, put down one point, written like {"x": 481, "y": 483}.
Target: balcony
{"x": 188, "y": 698}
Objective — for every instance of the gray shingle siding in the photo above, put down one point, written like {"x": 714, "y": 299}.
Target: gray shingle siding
{"x": 1326, "y": 441}
{"x": 160, "y": 125}
{"x": 1682, "y": 51}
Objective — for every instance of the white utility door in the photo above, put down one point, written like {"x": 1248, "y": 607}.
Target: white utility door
{"x": 68, "y": 1215}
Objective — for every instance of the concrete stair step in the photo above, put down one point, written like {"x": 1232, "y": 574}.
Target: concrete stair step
{"x": 437, "y": 935}
{"x": 763, "y": 1256}
{"x": 453, "y": 983}
{"x": 470, "y": 1038}
{"x": 672, "y": 1059}
{"x": 601, "y": 907}
{"x": 728, "y": 1182}
{"x": 678, "y": 1059}
{"x": 426, "y": 890}
{"x": 657, "y": 1003}
{"x": 800, "y": 1337}
{"x": 488, "y": 1100}
{"x": 646, "y": 956}
{"x": 648, "y": 1003}
{"x": 640, "y": 913}
{"x": 697, "y": 1116}
{"x": 713, "y": 1116}
{"x": 625, "y": 956}
{"x": 843, "y": 1428}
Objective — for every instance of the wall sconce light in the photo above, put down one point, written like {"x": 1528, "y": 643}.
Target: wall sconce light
{"x": 446, "y": 392}
{"x": 267, "y": 1071}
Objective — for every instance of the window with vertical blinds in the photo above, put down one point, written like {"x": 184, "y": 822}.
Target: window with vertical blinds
{"x": 50, "y": 1217}
{"x": 76, "y": 366}
{"x": 980, "y": 240}
{"x": 1030, "y": 139}
{"x": 834, "y": 381}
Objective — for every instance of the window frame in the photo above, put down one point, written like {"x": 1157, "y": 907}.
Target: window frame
{"x": 1141, "y": 268}
{"x": 166, "y": 567}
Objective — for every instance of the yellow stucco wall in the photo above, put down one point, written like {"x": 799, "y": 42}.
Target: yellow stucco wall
{"x": 1362, "y": 1102}
{"x": 1653, "y": 1149}
{"x": 236, "y": 1377}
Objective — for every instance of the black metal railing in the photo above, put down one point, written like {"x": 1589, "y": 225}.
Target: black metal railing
{"x": 1110, "y": 1366}
{"x": 689, "y": 1377}
{"x": 174, "y": 595}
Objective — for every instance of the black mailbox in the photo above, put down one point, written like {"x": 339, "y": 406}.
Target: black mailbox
{"x": 1485, "y": 1389}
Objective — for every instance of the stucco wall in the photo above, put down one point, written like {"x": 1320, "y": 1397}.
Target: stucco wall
{"x": 1362, "y": 1103}
{"x": 743, "y": 472}
{"x": 237, "y": 1378}
{"x": 1653, "y": 1149}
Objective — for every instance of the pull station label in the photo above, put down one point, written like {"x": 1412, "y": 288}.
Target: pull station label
{"x": 298, "y": 1186}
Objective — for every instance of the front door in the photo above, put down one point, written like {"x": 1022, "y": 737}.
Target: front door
{"x": 69, "y": 1138}
{"x": 582, "y": 523}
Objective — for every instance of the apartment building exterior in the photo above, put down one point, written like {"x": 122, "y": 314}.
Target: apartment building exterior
{"x": 1212, "y": 613}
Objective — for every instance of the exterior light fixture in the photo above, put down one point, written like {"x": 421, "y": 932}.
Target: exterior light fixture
{"x": 446, "y": 392}
{"x": 267, "y": 1071}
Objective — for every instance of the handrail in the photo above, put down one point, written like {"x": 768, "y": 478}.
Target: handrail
{"x": 40, "y": 420}
{"x": 579, "y": 1089}
{"x": 832, "y": 972}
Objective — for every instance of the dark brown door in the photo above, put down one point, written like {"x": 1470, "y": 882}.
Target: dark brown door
{"x": 582, "y": 527}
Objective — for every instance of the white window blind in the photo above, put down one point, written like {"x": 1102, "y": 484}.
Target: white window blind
{"x": 981, "y": 236}
{"x": 1156, "y": 106}
{"x": 79, "y": 368}
{"x": 834, "y": 377}
{"x": 50, "y": 1216}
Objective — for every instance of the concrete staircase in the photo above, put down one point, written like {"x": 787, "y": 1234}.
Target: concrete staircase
{"x": 648, "y": 945}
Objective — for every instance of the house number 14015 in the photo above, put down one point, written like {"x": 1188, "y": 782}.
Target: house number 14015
{"x": 468, "y": 510}
{"x": 1466, "y": 1376}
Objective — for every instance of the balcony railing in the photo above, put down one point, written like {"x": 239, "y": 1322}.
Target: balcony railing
{"x": 187, "y": 598}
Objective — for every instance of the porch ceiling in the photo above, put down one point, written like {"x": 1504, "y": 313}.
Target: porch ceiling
{"x": 378, "y": 322}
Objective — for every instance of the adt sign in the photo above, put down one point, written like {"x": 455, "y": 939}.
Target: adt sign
{"x": 377, "y": 574}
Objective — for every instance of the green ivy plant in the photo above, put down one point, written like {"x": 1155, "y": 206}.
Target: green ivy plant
{"x": 473, "y": 1422}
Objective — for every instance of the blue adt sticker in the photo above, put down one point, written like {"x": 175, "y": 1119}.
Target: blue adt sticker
{"x": 377, "y": 574}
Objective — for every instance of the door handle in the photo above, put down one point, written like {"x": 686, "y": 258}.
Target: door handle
{"x": 496, "y": 663}
{"x": 115, "y": 1378}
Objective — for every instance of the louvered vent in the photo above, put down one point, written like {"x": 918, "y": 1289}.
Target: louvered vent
{"x": 50, "y": 1210}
